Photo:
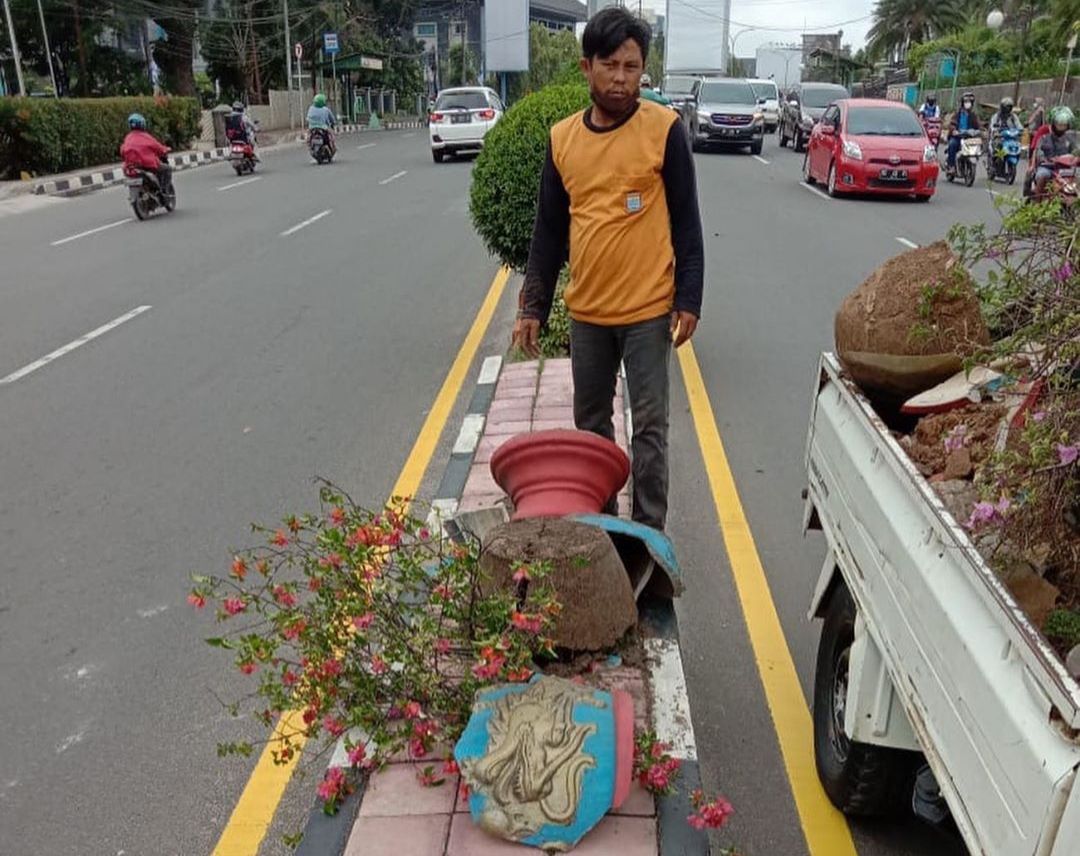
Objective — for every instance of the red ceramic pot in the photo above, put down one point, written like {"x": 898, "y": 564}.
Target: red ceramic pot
{"x": 561, "y": 472}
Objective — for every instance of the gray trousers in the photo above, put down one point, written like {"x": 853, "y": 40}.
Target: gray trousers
{"x": 645, "y": 348}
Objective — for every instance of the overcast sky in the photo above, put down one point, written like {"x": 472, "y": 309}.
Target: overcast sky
{"x": 786, "y": 18}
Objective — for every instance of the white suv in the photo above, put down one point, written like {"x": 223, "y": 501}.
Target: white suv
{"x": 460, "y": 119}
{"x": 771, "y": 108}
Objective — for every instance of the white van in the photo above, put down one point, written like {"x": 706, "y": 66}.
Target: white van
{"x": 771, "y": 108}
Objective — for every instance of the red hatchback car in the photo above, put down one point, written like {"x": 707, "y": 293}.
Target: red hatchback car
{"x": 864, "y": 145}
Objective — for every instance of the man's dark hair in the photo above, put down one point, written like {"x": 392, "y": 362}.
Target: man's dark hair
{"x": 609, "y": 28}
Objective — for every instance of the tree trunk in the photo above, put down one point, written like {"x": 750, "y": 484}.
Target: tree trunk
{"x": 255, "y": 60}
{"x": 175, "y": 55}
{"x": 84, "y": 76}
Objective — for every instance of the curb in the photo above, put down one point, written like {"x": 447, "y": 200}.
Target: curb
{"x": 91, "y": 181}
{"x": 328, "y": 836}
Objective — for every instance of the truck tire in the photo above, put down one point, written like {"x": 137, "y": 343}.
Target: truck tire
{"x": 860, "y": 779}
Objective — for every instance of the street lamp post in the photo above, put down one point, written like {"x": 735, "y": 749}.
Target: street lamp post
{"x": 48, "y": 52}
{"x": 734, "y": 57}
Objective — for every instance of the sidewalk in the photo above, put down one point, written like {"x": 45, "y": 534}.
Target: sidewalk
{"x": 399, "y": 817}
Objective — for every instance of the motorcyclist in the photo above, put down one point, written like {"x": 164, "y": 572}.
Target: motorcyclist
{"x": 320, "y": 117}
{"x": 239, "y": 125}
{"x": 650, "y": 94}
{"x": 141, "y": 150}
{"x": 965, "y": 119}
{"x": 930, "y": 108}
{"x": 1004, "y": 118}
{"x": 1058, "y": 142}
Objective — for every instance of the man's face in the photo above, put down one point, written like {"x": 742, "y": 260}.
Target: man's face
{"x": 968, "y": 105}
{"x": 614, "y": 81}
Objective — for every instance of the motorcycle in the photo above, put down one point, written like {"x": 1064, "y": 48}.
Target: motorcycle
{"x": 967, "y": 159}
{"x": 147, "y": 193}
{"x": 932, "y": 127}
{"x": 319, "y": 145}
{"x": 1005, "y": 155}
{"x": 1062, "y": 185}
{"x": 242, "y": 156}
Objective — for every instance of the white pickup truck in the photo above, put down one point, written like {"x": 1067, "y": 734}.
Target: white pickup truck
{"x": 924, "y": 654}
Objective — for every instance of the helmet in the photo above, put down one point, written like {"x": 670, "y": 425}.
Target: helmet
{"x": 1006, "y": 105}
{"x": 319, "y": 100}
{"x": 238, "y": 106}
{"x": 1061, "y": 116}
{"x": 137, "y": 120}
{"x": 646, "y": 81}
{"x": 931, "y": 99}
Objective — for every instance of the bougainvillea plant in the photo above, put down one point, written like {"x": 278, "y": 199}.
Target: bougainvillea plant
{"x": 360, "y": 626}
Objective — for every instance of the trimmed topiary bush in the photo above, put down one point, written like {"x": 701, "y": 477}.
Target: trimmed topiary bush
{"x": 47, "y": 135}
{"x": 506, "y": 178}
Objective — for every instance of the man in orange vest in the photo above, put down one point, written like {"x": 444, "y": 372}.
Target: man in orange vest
{"x": 618, "y": 189}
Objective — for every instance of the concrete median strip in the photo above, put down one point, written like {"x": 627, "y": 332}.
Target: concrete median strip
{"x": 113, "y": 174}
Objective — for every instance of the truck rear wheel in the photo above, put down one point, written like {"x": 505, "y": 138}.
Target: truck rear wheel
{"x": 860, "y": 779}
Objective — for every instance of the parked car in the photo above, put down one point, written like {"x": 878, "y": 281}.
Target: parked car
{"x": 461, "y": 118}
{"x": 677, "y": 88}
{"x": 872, "y": 146}
{"x": 725, "y": 112}
{"x": 803, "y": 107}
{"x": 771, "y": 108}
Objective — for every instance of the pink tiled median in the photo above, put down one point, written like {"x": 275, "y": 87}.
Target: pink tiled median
{"x": 528, "y": 397}
{"x": 399, "y": 817}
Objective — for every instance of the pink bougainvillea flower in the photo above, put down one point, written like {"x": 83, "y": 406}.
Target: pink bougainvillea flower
{"x": 696, "y": 821}
{"x": 982, "y": 514}
{"x": 412, "y": 710}
{"x": 424, "y": 728}
{"x": 289, "y": 678}
{"x": 521, "y": 575}
{"x": 1064, "y": 272}
{"x": 956, "y": 439}
{"x": 657, "y": 779}
{"x": 332, "y": 785}
{"x": 280, "y": 539}
{"x": 293, "y": 630}
{"x": 442, "y": 646}
{"x": 239, "y": 568}
{"x": 417, "y": 749}
{"x": 519, "y": 676}
{"x": 248, "y": 668}
{"x": 337, "y": 516}
{"x": 1039, "y": 415}
{"x": 429, "y": 778}
{"x": 334, "y": 726}
{"x": 378, "y": 665}
{"x": 284, "y": 597}
{"x": 357, "y": 755}
{"x": 331, "y": 668}
{"x": 234, "y": 605}
{"x": 331, "y": 560}
{"x": 1003, "y": 506}
{"x": 424, "y": 534}
{"x": 443, "y": 591}
{"x": 716, "y": 813}
{"x": 528, "y": 623}
{"x": 363, "y": 622}
{"x": 451, "y": 767}
{"x": 1068, "y": 454}
{"x": 197, "y": 600}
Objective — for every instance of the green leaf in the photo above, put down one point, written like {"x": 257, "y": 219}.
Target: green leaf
{"x": 220, "y": 642}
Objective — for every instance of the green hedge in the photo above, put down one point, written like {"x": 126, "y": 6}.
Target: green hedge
{"x": 506, "y": 178}
{"x": 49, "y": 135}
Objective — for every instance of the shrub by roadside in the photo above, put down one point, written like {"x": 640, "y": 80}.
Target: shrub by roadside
{"x": 506, "y": 179}
{"x": 48, "y": 135}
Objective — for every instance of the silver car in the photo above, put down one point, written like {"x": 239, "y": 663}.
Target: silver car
{"x": 725, "y": 112}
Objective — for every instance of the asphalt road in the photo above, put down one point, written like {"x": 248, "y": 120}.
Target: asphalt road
{"x": 265, "y": 360}
{"x": 270, "y": 355}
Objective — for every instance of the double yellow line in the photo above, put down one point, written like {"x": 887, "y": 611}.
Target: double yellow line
{"x": 254, "y": 812}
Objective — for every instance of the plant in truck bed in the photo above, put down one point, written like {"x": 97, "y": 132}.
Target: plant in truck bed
{"x": 1029, "y": 487}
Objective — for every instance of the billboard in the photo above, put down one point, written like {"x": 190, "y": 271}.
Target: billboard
{"x": 506, "y": 36}
{"x": 697, "y": 35}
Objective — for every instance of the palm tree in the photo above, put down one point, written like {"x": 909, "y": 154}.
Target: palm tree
{"x": 898, "y": 24}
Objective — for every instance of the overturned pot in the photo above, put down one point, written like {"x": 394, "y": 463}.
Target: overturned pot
{"x": 560, "y": 472}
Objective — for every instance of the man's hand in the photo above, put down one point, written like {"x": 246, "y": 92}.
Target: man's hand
{"x": 683, "y": 325}
{"x": 527, "y": 336}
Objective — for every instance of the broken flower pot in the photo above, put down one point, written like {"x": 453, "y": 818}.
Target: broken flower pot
{"x": 545, "y": 761}
{"x": 560, "y": 472}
